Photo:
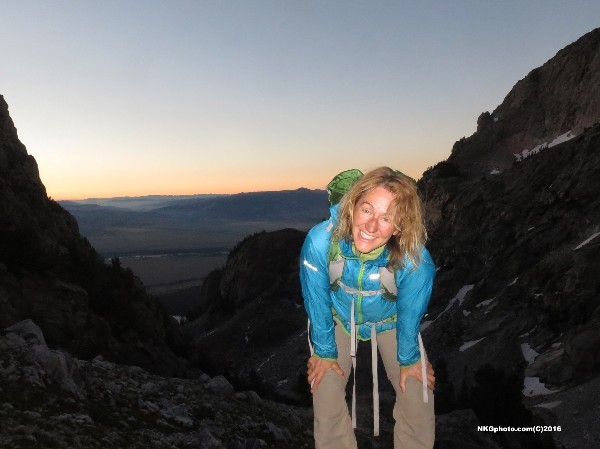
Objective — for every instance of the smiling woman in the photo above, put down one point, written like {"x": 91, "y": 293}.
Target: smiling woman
{"x": 376, "y": 229}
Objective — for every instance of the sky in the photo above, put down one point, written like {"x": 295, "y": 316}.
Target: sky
{"x": 132, "y": 97}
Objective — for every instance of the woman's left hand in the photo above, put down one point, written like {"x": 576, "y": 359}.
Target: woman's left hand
{"x": 414, "y": 371}
{"x": 317, "y": 367}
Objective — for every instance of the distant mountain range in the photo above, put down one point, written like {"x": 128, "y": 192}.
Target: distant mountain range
{"x": 138, "y": 203}
{"x": 294, "y": 205}
{"x": 133, "y": 224}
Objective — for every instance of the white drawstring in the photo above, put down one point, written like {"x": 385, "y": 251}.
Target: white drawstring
{"x": 353, "y": 356}
{"x": 423, "y": 368}
{"x": 375, "y": 380}
{"x": 310, "y": 345}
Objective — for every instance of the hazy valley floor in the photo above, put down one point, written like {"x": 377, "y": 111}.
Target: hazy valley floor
{"x": 175, "y": 279}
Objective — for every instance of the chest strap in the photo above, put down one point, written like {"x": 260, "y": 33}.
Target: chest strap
{"x": 387, "y": 279}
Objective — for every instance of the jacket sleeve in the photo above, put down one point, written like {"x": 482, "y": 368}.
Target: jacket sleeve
{"x": 314, "y": 278}
{"x": 414, "y": 291}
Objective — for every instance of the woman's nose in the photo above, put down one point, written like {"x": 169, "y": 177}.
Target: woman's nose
{"x": 371, "y": 225}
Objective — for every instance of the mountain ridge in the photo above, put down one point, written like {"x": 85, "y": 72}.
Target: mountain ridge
{"x": 50, "y": 273}
{"x": 549, "y": 101}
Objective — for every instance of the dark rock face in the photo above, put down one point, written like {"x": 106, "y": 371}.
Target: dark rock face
{"x": 556, "y": 98}
{"x": 50, "y": 274}
{"x": 513, "y": 325}
{"x": 50, "y": 399}
{"x": 250, "y": 324}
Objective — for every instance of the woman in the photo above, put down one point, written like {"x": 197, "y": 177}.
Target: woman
{"x": 377, "y": 228}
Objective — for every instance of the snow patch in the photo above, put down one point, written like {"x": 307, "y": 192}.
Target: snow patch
{"x": 262, "y": 364}
{"x": 495, "y": 172}
{"x": 466, "y": 345}
{"x": 460, "y": 296}
{"x": 514, "y": 281}
{"x": 529, "y": 354}
{"x": 561, "y": 139}
{"x": 466, "y": 313}
{"x": 585, "y": 242}
{"x": 549, "y": 405}
{"x": 486, "y": 303}
{"x": 533, "y": 387}
{"x": 535, "y": 150}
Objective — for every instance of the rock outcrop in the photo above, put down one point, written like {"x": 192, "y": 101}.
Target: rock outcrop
{"x": 551, "y": 104}
{"x": 250, "y": 324}
{"x": 50, "y": 399}
{"x": 514, "y": 321}
{"x": 51, "y": 274}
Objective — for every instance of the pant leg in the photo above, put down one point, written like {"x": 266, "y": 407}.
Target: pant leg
{"x": 333, "y": 425}
{"x": 415, "y": 419}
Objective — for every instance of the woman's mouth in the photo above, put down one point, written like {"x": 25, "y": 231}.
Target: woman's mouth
{"x": 366, "y": 236}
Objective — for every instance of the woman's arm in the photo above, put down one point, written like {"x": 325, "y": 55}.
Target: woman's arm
{"x": 314, "y": 279}
{"x": 414, "y": 291}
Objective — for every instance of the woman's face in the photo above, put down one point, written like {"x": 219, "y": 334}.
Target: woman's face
{"x": 371, "y": 227}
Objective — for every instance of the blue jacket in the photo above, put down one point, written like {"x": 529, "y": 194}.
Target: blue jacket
{"x": 324, "y": 304}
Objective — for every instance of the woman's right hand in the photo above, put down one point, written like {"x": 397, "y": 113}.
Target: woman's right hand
{"x": 317, "y": 367}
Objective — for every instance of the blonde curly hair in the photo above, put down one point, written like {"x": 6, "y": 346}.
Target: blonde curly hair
{"x": 405, "y": 212}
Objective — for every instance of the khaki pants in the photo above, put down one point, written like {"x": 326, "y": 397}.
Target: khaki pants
{"x": 415, "y": 420}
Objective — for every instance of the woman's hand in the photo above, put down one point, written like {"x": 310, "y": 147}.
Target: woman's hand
{"x": 317, "y": 368}
{"x": 414, "y": 371}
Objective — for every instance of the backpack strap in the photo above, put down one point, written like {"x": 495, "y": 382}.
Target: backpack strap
{"x": 336, "y": 264}
{"x": 387, "y": 280}
{"x": 387, "y": 276}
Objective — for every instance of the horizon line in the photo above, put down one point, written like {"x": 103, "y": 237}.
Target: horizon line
{"x": 189, "y": 195}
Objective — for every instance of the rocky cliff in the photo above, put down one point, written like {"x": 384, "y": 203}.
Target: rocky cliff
{"x": 250, "y": 323}
{"x": 552, "y": 103}
{"x": 50, "y": 274}
{"x": 53, "y": 400}
{"x": 514, "y": 321}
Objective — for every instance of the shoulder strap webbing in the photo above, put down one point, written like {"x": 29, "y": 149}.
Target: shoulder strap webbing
{"x": 387, "y": 276}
